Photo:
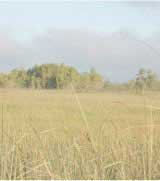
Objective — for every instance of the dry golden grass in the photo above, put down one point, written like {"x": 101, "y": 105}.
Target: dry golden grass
{"x": 63, "y": 135}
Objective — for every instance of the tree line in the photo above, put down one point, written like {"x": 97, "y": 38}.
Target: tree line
{"x": 144, "y": 80}
{"x": 51, "y": 76}
{"x": 60, "y": 76}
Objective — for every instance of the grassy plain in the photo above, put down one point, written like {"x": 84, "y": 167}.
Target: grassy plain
{"x": 47, "y": 134}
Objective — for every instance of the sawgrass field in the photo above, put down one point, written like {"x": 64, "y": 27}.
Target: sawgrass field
{"x": 51, "y": 134}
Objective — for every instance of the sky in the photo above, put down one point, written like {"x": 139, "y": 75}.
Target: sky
{"x": 117, "y": 38}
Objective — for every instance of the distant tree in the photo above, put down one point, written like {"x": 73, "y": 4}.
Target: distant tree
{"x": 145, "y": 79}
{"x": 150, "y": 78}
{"x": 18, "y": 78}
{"x": 140, "y": 81}
{"x": 3, "y": 80}
{"x": 38, "y": 83}
{"x": 63, "y": 78}
{"x": 94, "y": 76}
{"x": 96, "y": 80}
{"x": 84, "y": 81}
{"x": 90, "y": 80}
{"x": 33, "y": 83}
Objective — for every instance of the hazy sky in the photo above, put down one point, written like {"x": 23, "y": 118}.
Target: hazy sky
{"x": 117, "y": 38}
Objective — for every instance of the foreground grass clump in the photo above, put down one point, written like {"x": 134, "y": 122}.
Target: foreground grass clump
{"x": 60, "y": 135}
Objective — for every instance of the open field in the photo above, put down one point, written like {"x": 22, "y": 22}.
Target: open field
{"x": 63, "y": 135}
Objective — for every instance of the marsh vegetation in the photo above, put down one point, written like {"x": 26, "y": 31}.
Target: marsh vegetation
{"x": 61, "y": 134}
